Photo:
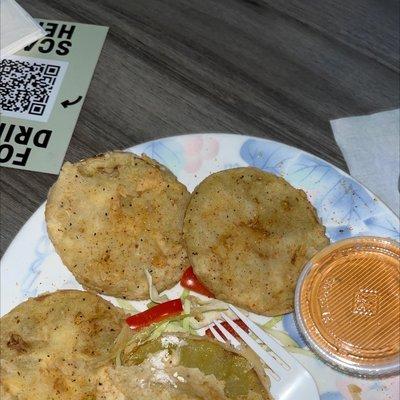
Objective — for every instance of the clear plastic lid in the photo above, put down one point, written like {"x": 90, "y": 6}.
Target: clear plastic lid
{"x": 347, "y": 305}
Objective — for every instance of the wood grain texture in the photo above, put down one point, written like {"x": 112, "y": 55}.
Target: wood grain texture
{"x": 279, "y": 69}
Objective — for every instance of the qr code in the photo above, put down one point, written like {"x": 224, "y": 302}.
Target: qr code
{"x": 29, "y": 86}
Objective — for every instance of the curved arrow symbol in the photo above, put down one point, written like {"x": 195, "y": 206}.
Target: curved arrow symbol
{"x": 67, "y": 103}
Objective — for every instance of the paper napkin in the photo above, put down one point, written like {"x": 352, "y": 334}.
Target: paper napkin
{"x": 371, "y": 147}
{"x": 18, "y": 28}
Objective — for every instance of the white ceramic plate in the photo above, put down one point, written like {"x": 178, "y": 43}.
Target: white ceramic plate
{"x": 30, "y": 266}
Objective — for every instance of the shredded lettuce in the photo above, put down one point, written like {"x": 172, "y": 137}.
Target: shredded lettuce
{"x": 127, "y": 306}
{"x": 282, "y": 337}
{"x": 186, "y": 311}
{"x": 157, "y": 332}
{"x": 153, "y": 292}
{"x": 176, "y": 326}
{"x": 185, "y": 294}
{"x": 197, "y": 314}
{"x": 150, "y": 304}
{"x": 186, "y": 306}
{"x": 272, "y": 322}
{"x": 300, "y": 350}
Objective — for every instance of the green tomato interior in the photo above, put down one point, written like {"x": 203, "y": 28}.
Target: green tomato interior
{"x": 212, "y": 359}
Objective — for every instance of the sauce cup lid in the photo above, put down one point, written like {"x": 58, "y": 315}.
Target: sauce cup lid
{"x": 347, "y": 305}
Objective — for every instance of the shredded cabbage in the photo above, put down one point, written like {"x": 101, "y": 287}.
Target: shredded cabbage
{"x": 197, "y": 314}
{"x": 158, "y": 331}
{"x": 305, "y": 351}
{"x": 186, "y": 311}
{"x": 153, "y": 292}
{"x": 272, "y": 322}
{"x": 127, "y": 306}
{"x": 175, "y": 326}
{"x": 185, "y": 294}
{"x": 282, "y": 337}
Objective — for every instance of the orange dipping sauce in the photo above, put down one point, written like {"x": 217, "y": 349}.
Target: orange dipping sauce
{"x": 348, "y": 305}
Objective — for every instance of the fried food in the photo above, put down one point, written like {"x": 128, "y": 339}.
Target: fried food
{"x": 248, "y": 235}
{"x": 113, "y": 216}
{"x": 51, "y": 345}
{"x": 135, "y": 382}
{"x": 183, "y": 367}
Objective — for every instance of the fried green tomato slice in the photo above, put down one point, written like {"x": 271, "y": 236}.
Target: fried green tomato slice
{"x": 248, "y": 235}
{"x": 180, "y": 366}
{"x": 112, "y": 216}
{"x": 51, "y": 345}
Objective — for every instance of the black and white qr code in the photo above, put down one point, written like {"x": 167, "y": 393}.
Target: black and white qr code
{"x": 29, "y": 86}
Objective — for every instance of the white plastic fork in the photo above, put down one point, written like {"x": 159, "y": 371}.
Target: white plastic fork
{"x": 289, "y": 379}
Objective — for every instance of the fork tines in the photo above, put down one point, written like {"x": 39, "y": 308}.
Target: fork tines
{"x": 279, "y": 361}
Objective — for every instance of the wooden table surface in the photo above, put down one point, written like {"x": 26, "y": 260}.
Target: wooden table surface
{"x": 279, "y": 69}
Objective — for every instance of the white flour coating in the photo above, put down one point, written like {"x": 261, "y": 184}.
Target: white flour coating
{"x": 158, "y": 359}
{"x": 161, "y": 376}
{"x": 158, "y": 368}
{"x": 180, "y": 378}
{"x": 172, "y": 340}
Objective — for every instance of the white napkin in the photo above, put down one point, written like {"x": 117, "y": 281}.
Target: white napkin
{"x": 371, "y": 147}
{"x": 18, "y": 28}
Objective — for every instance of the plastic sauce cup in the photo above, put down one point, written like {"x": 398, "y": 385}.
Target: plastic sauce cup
{"x": 347, "y": 305}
